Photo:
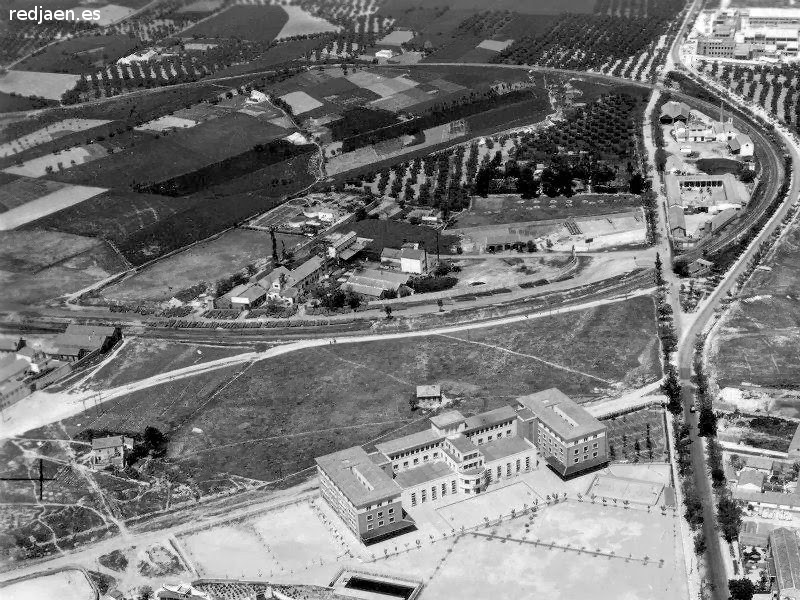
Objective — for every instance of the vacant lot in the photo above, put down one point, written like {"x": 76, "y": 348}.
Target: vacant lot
{"x": 65, "y": 585}
{"x": 207, "y": 262}
{"x": 273, "y": 418}
{"x": 757, "y": 342}
{"x": 254, "y": 23}
{"x": 140, "y": 359}
{"x": 500, "y": 209}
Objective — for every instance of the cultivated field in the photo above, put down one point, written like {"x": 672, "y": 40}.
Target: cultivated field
{"x": 47, "y": 134}
{"x": 757, "y": 341}
{"x": 30, "y": 83}
{"x": 209, "y": 261}
{"x": 254, "y": 23}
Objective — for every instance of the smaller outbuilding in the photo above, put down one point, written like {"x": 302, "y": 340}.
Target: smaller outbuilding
{"x": 741, "y": 145}
{"x": 110, "y": 451}
{"x": 429, "y": 393}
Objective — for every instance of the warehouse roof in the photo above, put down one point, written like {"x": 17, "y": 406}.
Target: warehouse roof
{"x": 785, "y": 553}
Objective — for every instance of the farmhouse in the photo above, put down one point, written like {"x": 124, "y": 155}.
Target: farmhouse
{"x": 741, "y": 145}
{"x": 458, "y": 456}
{"x": 408, "y": 259}
{"x": 429, "y": 393}
{"x": 699, "y": 267}
{"x": 79, "y": 341}
{"x": 285, "y": 285}
{"x": 673, "y": 112}
{"x": 110, "y": 451}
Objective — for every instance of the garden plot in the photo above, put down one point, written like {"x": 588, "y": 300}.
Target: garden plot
{"x": 380, "y": 85}
{"x": 48, "y": 133}
{"x": 166, "y": 123}
{"x": 65, "y": 585}
{"x": 300, "y": 102}
{"x": 495, "y": 45}
{"x": 31, "y": 83}
{"x": 397, "y": 38}
{"x": 41, "y": 166}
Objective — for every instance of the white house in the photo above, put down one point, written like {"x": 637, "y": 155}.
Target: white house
{"x": 256, "y": 97}
{"x": 384, "y": 54}
{"x": 741, "y": 145}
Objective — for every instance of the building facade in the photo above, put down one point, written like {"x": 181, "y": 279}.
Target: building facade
{"x": 458, "y": 456}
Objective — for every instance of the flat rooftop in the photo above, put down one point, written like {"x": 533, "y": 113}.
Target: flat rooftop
{"x": 423, "y": 474}
{"x": 490, "y": 418}
{"x": 409, "y": 442}
{"x": 497, "y": 449}
{"x": 342, "y": 467}
{"x": 560, "y": 413}
{"x": 447, "y": 419}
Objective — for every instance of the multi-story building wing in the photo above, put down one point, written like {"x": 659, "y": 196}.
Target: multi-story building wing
{"x": 569, "y": 438}
{"x": 457, "y": 456}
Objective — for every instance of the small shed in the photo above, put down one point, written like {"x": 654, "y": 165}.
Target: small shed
{"x": 429, "y": 393}
{"x": 110, "y": 451}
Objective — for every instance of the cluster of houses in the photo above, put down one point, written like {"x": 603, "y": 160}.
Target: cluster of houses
{"x": 288, "y": 287}
{"x": 690, "y": 126}
{"x": 25, "y": 367}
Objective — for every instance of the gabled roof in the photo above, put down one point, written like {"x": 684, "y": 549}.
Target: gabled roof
{"x": 786, "y": 555}
{"x": 739, "y": 142}
{"x": 311, "y": 266}
{"x": 390, "y": 253}
{"x": 412, "y": 253}
{"x": 675, "y": 109}
{"x": 752, "y": 477}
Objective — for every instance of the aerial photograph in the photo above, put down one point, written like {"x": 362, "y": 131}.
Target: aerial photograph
{"x": 399, "y": 299}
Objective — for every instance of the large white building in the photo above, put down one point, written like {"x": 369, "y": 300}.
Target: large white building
{"x": 458, "y": 456}
{"x": 750, "y": 33}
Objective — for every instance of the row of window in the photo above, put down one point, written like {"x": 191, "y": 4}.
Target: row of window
{"x": 499, "y": 435}
{"x": 371, "y": 526}
{"x": 415, "y": 462}
{"x": 585, "y": 457}
{"x": 380, "y": 514}
{"x": 423, "y": 494}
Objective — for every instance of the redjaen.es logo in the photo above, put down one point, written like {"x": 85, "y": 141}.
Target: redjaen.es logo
{"x": 39, "y": 14}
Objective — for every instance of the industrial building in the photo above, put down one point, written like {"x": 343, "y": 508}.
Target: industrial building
{"x": 749, "y": 33}
{"x": 80, "y": 341}
{"x": 784, "y": 563}
{"x": 458, "y": 456}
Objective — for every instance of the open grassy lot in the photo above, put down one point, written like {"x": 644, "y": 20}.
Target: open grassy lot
{"x": 80, "y": 55}
{"x": 757, "y": 341}
{"x": 38, "y": 265}
{"x": 30, "y": 83}
{"x": 207, "y": 262}
{"x": 140, "y": 358}
{"x": 254, "y": 23}
{"x": 272, "y": 418}
{"x": 497, "y": 210}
